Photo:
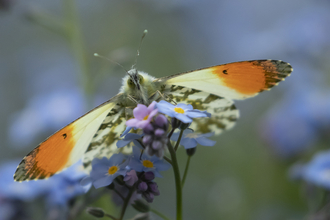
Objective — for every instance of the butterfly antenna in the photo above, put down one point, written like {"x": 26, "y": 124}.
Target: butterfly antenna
{"x": 103, "y": 57}
{"x": 138, "y": 51}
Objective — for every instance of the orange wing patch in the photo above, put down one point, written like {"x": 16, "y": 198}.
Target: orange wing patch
{"x": 260, "y": 75}
{"x": 63, "y": 148}
{"x": 239, "y": 80}
{"x": 49, "y": 157}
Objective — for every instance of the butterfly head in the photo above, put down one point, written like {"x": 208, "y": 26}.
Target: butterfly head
{"x": 138, "y": 85}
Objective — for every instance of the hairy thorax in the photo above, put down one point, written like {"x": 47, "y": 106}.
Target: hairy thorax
{"x": 139, "y": 87}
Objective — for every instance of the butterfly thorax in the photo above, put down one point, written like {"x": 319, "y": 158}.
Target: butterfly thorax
{"x": 139, "y": 87}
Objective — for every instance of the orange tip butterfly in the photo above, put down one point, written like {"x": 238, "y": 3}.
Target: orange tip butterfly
{"x": 95, "y": 134}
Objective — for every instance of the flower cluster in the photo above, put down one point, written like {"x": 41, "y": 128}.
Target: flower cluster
{"x": 155, "y": 138}
{"x": 147, "y": 187}
{"x": 131, "y": 176}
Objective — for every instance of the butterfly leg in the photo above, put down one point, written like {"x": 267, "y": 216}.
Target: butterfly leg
{"x": 132, "y": 99}
{"x": 158, "y": 95}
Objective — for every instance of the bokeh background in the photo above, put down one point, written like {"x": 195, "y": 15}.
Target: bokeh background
{"x": 49, "y": 77}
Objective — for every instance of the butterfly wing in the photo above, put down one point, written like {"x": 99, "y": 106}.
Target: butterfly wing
{"x": 65, "y": 147}
{"x": 237, "y": 80}
{"x": 223, "y": 111}
{"x": 104, "y": 141}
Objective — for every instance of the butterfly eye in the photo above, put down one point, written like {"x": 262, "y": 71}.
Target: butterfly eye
{"x": 141, "y": 79}
{"x": 130, "y": 83}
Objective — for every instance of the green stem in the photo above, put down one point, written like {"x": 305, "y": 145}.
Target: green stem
{"x": 126, "y": 201}
{"x": 159, "y": 214}
{"x": 170, "y": 134}
{"x": 177, "y": 181}
{"x": 179, "y": 139}
{"x": 76, "y": 40}
{"x": 110, "y": 216}
{"x": 185, "y": 171}
{"x": 168, "y": 159}
{"x": 119, "y": 194}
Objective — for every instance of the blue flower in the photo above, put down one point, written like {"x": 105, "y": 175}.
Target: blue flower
{"x": 145, "y": 163}
{"x": 105, "y": 170}
{"x": 130, "y": 137}
{"x": 190, "y": 139}
{"x": 317, "y": 171}
{"x": 182, "y": 112}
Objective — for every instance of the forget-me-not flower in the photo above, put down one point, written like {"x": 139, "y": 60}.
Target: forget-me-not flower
{"x": 142, "y": 115}
{"x": 146, "y": 163}
{"x": 130, "y": 137}
{"x": 105, "y": 170}
{"x": 190, "y": 139}
{"x": 182, "y": 112}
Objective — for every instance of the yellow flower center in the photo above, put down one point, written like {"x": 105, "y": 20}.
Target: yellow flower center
{"x": 179, "y": 110}
{"x": 145, "y": 118}
{"x": 112, "y": 170}
{"x": 148, "y": 164}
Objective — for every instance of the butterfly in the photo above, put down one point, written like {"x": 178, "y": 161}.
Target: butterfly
{"x": 95, "y": 134}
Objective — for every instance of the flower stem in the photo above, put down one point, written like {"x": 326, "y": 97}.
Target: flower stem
{"x": 126, "y": 201}
{"x": 159, "y": 214}
{"x": 185, "y": 172}
{"x": 179, "y": 139}
{"x": 177, "y": 181}
{"x": 170, "y": 134}
{"x": 110, "y": 216}
{"x": 168, "y": 159}
{"x": 119, "y": 194}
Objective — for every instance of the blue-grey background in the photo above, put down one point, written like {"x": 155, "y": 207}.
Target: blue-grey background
{"x": 44, "y": 86}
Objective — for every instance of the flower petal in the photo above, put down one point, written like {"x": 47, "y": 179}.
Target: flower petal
{"x": 128, "y": 129}
{"x": 122, "y": 143}
{"x": 162, "y": 165}
{"x": 117, "y": 159}
{"x": 207, "y": 134}
{"x": 184, "y": 106}
{"x": 167, "y": 111}
{"x": 205, "y": 142}
{"x": 152, "y": 106}
{"x": 137, "y": 144}
{"x": 103, "y": 181}
{"x": 132, "y": 122}
{"x": 136, "y": 165}
{"x": 195, "y": 114}
{"x": 143, "y": 124}
{"x": 183, "y": 118}
{"x": 132, "y": 136}
{"x": 188, "y": 143}
{"x": 140, "y": 112}
{"x": 152, "y": 113}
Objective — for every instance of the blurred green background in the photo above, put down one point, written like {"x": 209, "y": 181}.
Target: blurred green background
{"x": 241, "y": 177}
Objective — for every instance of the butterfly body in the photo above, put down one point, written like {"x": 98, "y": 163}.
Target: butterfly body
{"x": 95, "y": 134}
{"x": 140, "y": 86}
